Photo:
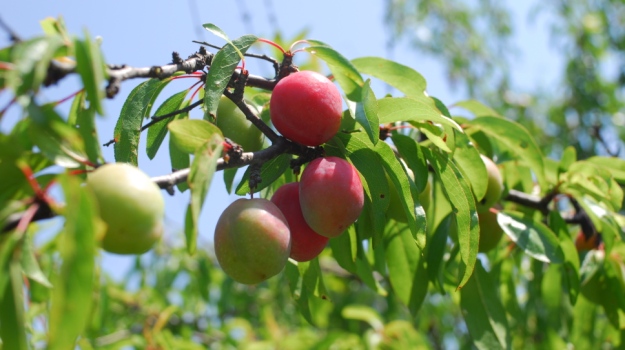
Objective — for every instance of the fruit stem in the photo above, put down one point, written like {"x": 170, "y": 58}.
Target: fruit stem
{"x": 267, "y": 41}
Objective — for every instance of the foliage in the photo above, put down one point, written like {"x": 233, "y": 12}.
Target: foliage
{"x": 381, "y": 284}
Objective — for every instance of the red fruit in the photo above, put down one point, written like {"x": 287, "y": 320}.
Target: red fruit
{"x": 306, "y": 244}
{"x": 306, "y": 107}
{"x": 252, "y": 240}
{"x": 582, "y": 244}
{"x": 331, "y": 195}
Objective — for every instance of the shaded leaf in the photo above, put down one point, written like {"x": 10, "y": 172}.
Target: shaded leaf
{"x": 90, "y": 66}
{"x": 483, "y": 312}
{"x": 270, "y": 171}
{"x": 366, "y": 113}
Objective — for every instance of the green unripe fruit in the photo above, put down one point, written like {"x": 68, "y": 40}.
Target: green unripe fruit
{"x": 235, "y": 126}
{"x": 494, "y": 187}
{"x": 252, "y": 240}
{"x": 490, "y": 231}
{"x": 131, "y": 205}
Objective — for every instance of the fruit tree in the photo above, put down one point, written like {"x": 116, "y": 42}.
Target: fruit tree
{"x": 364, "y": 220}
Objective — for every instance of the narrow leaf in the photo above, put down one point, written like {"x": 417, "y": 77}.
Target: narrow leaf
{"x": 517, "y": 140}
{"x": 483, "y": 312}
{"x": 406, "y": 267}
{"x": 90, "y": 66}
{"x": 157, "y": 132}
{"x": 469, "y": 161}
{"x": 458, "y": 192}
{"x": 403, "y": 78}
{"x": 344, "y": 72}
{"x": 73, "y": 288}
{"x": 532, "y": 236}
{"x": 200, "y": 176}
{"x": 128, "y": 128}
{"x": 12, "y": 317}
{"x": 223, "y": 65}
{"x": 477, "y": 108}
{"x": 191, "y": 134}
{"x": 419, "y": 108}
{"x": 367, "y": 114}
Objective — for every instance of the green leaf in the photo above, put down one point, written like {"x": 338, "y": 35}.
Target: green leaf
{"x": 358, "y": 149}
{"x": 29, "y": 263}
{"x": 415, "y": 218}
{"x": 179, "y": 159}
{"x": 344, "y": 72}
{"x": 365, "y": 314}
{"x": 571, "y": 263}
{"x": 406, "y": 267}
{"x": 74, "y": 286}
{"x": 616, "y": 166}
{"x": 57, "y": 140}
{"x": 569, "y": 156}
{"x": 223, "y": 65}
{"x": 200, "y": 176}
{"x": 345, "y": 249}
{"x": 418, "y": 109}
{"x": 269, "y": 172}
{"x": 312, "y": 278}
{"x": 366, "y": 113}
{"x": 469, "y": 161}
{"x": 136, "y": 108}
{"x": 83, "y": 119}
{"x": 190, "y": 134}
{"x": 158, "y": 131}
{"x": 31, "y": 59}
{"x": 411, "y": 153}
{"x": 90, "y": 66}
{"x": 403, "y": 78}
{"x": 483, "y": 312}
{"x": 458, "y": 192}
{"x": 477, "y": 108}
{"x": 517, "y": 141}
{"x": 12, "y": 318}
{"x": 532, "y": 236}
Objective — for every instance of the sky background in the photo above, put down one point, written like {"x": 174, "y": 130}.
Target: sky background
{"x": 145, "y": 34}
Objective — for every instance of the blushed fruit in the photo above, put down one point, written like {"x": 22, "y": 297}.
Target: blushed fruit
{"x": 306, "y": 107}
{"x": 252, "y": 240}
{"x": 490, "y": 231}
{"x": 235, "y": 126}
{"x": 306, "y": 244}
{"x": 131, "y": 205}
{"x": 582, "y": 244}
{"x": 331, "y": 195}
{"x": 494, "y": 187}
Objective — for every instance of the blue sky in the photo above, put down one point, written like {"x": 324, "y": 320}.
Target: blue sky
{"x": 145, "y": 34}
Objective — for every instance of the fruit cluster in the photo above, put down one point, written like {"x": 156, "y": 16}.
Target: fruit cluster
{"x": 255, "y": 237}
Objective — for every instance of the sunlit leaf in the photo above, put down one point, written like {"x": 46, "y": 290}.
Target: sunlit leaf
{"x": 190, "y": 134}
{"x": 517, "y": 140}
{"x": 73, "y": 286}
{"x": 222, "y": 66}
{"x": 477, "y": 108}
{"x": 90, "y": 66}
{"x": 420, "y": 108}
{"x": 157, "y": 132}
{"x": 532, "y": 236}
{"x": 200, "y": 176}
{"x": 366, "y": 113}
{"x": 136, "y": 108}
{"x": 342, "y": 69}
{"x": 401, "y": 77}
{"x": 12, "y": 317}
